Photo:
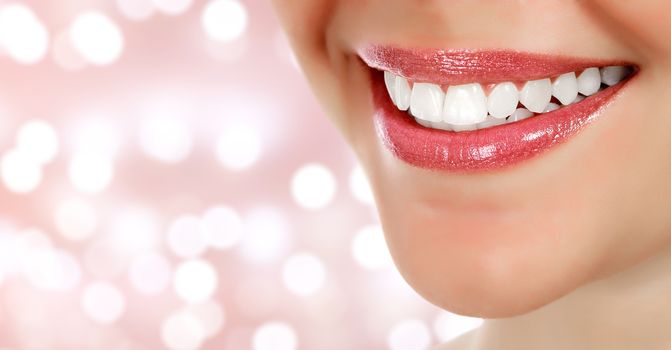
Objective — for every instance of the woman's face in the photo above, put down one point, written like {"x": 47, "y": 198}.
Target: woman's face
{"x": 500, "y": 233}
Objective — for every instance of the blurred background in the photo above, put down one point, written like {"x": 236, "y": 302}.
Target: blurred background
{"x": 167, "y": 181}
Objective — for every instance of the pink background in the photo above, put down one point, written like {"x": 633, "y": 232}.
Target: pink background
{"x": 109, "y": 168}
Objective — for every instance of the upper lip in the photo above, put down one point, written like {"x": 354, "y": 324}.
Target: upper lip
{"x": 459, "y": 66}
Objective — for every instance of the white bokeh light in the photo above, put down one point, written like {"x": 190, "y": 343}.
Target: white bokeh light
{"x": 313, "y": 186}
{"x": 224, "y": 20}
{"x": 182, "y": 331}
{"x": 173, "y": 7}
{"x": 410, "y": 334}
{"x": 38, "y": 140}
{"x": 103, "y": 302}
{"x": 137, "y": 10}
{"x": 76, "y": 219}
{"x": 195, "y": 281}
{"x": 150, "y": 273}
{"x": 210, "y": 314}
{"x": 275, "y": 336}
{"x": 22, "y": 34}
{"x": 267, "y": 236}
{"x": 19, "y": 172}
{"x": 360, "y": 187}
{"x": 449, "y": 326}
{"x": 165, "y": 137}
{"x": 97, "y": 38}
{"x": 369, "y": 248}
{"x": 91, "y": 172}
{"x": 223, "y": 227}
{"x": 303, "y": 274}
{"x": 238, "y": 147}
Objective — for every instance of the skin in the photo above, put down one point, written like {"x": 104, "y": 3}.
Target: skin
{"x": 571, "y": 249}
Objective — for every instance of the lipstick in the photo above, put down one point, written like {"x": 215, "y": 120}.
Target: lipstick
{"x": 490, "y": 148}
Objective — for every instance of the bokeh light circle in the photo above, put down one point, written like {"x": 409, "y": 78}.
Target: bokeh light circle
{"x": 97, "y": 38}
{"x": 22, "y": 34}
{"x": 449, "y": 326}
{"x": 173, "y": 7}
{"x": 360, "y": 186}
{"x": 411, "y": 334}
{"x": 182, "y": 331}
{"x": 303, "y": 274}
{"x": 224, "y": 20}
{"x": 195, "y": 281}
{"x": 275, "y": 336}
{"x": 313, "y": 186}
{"x": 238, "y": 147}
{"x": 223, "y": 227}
{"x": 103, "y": 302}
{"x": 90, "y": 172}
{"x": 369, "y": 248}
{"x": 20, "y": 173}
{"x": 38, "y": 140}
{"x": 76, "y": 219}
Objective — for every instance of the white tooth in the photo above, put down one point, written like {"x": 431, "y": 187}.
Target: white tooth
{"x": 520, "y": 114}
{"x": 589, "y": 81}
{"x": 424, "y": 123}
{"x": 390, "y": 82}
{"x": 503, "y": 100}
{"x": 613, "y": 74}
{"x": 402, "y": 92}
{"x": 441, "y": 126}
{"x": 579, "y": 98}
{"x": 536, "y": 94}
{"x": 551, "y": 107}
{"x": 491, "y": 122}
{"x": 565, "y": 88}
{"x": 465, "y": 105}
{"x": 426, "y": 101}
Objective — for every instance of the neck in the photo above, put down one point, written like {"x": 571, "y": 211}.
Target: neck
{"x": 630, "y": 310}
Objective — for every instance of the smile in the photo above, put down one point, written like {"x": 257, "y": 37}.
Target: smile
{"x": 483, "y": 110}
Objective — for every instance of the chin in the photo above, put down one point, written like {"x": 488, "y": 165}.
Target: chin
{"x": 486, "y": 265}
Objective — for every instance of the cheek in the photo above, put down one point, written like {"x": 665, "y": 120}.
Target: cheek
{"x": 645, "y": 23}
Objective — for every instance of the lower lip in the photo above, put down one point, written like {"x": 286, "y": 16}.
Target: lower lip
{"x": 482, "y": 150}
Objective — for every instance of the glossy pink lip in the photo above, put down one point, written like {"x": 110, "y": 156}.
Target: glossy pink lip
{"x": 486, "y": 149}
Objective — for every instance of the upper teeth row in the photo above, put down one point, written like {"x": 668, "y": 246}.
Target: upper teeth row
{"x": 463, "y": 107}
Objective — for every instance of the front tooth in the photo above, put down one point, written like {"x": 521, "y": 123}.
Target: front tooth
{"x": 390, "y": 82}
{"x": 465, "y": 105}
{"x": 424, "y": 123}
{"x": 402, "y": 92}
{"x": 520, "y": 114}
{"x": 426, "y": 101}
{"x": 613, "y": 74}
{"x": 565, "y": 88}
{"x": 503, "y": 100}
{"x": 589, "y": 81}
{"x": 491, "y": 122}
{"x": 536, "y": 94}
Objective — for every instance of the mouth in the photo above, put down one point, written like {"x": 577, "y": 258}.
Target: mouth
{"x": 470, "y": 111}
